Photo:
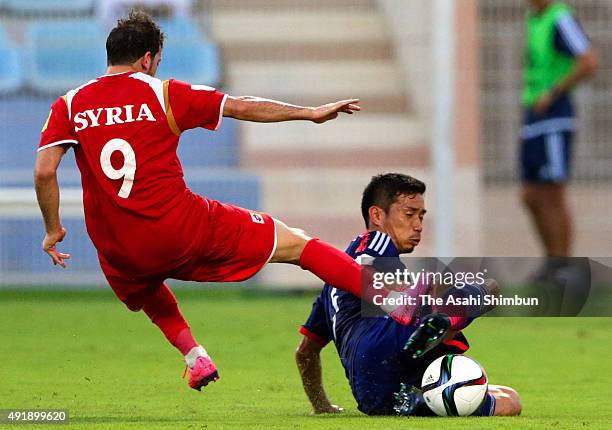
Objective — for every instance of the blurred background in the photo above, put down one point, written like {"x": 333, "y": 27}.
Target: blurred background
{"x": 439, "y": 82}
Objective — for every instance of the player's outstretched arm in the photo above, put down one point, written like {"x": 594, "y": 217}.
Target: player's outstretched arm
{"x": 308, "y": 359}
{"x": 47, "y": 193}
{"x": 257, "y": 109}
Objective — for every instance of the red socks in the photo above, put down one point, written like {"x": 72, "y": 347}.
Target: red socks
{"x": 164, "y": 312}
{"x": 459, "y": 323}
{"x": 333, "y": 266}
{"x": 185, "y": 342}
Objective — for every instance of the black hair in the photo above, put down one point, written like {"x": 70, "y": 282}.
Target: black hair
{"x": 383, "y": 190}
{"x": 132, "y": 38}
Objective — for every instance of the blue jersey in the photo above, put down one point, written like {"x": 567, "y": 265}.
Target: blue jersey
{"x": 371, "y": 349}
{"x": 336, "y": 314}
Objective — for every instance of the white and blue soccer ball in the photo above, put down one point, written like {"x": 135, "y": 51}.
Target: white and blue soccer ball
{"x": 454, "y": 385}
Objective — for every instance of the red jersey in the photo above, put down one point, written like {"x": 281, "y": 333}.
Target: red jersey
{"x": 125, "y": 130}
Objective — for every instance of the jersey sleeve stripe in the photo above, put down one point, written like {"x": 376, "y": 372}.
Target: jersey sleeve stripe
{"x": 59, "y": 142}
{"x": 221, "y": 108}
{"x": 572, "y": 34}
{"x": 382, "y": 242}
{"x": 384, "y": 247}
{"x": 373, "y": 243}
{"x": 169, "y": 115}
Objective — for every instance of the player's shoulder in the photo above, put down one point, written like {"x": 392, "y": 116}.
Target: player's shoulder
{"x": 561, "y": 13}
{"x": 125, "y": 78}
{"x": 159, "y": 87}
{"x": 83, "y": 88}
{"x": 566, "y": 20}
{"x": 374, "y": 243}
{"x": 60, "y": 103}
{"x": 69, "y": 97}
{"x": 152, "y": 81}
{"x": 176, "y": 85}
{"x": 562, "y": 7}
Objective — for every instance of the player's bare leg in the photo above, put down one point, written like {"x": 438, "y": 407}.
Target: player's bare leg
{"x": 550, "y": 215}
{"x": 507, "y": 401}
{"x": 290, "y": 243}
{"x": 549, "y": 210}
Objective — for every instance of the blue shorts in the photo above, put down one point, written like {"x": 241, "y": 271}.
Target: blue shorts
{"x": 547, "y": 158}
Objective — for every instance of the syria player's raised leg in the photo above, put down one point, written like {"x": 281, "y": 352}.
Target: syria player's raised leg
{"x": 335, "y": 268}
{"x": 331, "y": 265}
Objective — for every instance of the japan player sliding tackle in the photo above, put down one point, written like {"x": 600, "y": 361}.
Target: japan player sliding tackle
{"x": 146, "y": 225}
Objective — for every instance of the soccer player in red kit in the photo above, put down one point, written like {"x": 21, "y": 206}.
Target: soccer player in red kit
{"x": 146, "y": 225}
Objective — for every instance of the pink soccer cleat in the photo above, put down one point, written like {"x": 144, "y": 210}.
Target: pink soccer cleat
{"x": 203, "y": 372}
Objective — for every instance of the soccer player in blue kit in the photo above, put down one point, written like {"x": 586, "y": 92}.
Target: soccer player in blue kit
{"x": 558, "y": 57}
{"x": 373, "y": 349}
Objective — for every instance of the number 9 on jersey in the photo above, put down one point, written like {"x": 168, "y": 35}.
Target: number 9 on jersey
{"x": 127, "y": 171}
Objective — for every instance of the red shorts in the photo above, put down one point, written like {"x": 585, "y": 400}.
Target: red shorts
{"x": 235, "y": 245}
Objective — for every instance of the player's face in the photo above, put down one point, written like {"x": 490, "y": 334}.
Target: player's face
{"x": 404, "y": 221}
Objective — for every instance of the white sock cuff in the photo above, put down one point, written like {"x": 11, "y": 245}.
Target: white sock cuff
{"x": 192, "y": 356}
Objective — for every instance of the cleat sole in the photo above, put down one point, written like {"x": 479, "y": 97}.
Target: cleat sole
{"x": 428, "y": 335}
{"x": 213, "y": 377}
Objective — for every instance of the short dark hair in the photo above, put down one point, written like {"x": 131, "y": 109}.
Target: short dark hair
{"x": 383, "y": 190}
{"x": 132, "y": 38}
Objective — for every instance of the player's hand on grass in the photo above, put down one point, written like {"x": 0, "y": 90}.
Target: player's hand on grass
{"x": 329, "y": 409}
{"x": 330, "y": 111}
{"x": 50, "y": 241}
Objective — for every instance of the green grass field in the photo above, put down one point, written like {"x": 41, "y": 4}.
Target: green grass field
{"x": 111, "y": 368}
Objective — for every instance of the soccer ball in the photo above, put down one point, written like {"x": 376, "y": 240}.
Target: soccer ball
{"x": 454, "y": 385}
